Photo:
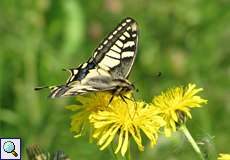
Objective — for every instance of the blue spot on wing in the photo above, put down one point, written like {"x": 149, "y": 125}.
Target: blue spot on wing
{"x": 82, "y": 72}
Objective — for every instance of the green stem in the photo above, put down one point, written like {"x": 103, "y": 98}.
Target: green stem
{"x": 111, "y": 149}
{"x": 187, "y": 134}
{"x": 128, "y": 153}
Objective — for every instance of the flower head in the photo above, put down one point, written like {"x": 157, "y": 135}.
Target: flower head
{"x": 224, "y": 156}
{"x": 125, "y": 119}
{"x": 88, "y": 104}
{"x": 175, "y": 105}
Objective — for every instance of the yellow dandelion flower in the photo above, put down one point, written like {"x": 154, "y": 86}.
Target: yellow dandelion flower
{"x": 88, "y": 104}
{"x": 224, "y": 156}
{"x": 175, "y": 105}
{"x": 123, "y": 120}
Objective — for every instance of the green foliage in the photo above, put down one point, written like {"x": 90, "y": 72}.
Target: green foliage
{"x": 188, "y": 41}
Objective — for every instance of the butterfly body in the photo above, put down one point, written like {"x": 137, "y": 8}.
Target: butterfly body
{"x": 108, "y": 68}
{"x": 93, "y": 84}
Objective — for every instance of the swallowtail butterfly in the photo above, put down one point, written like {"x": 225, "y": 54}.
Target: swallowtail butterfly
{"x": 108, "y": 68}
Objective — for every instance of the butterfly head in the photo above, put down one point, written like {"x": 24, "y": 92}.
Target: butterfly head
{"x": 123, "y": 86}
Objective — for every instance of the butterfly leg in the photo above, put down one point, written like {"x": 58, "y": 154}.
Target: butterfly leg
{"x": 135, "y": 104}
{"x": 120, "y": 95}
{"x": 111, "y": 99}
{"x": 127, "y": 98}
{"x": 123, "y": 98}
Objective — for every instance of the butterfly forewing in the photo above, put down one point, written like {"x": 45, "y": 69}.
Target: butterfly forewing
{"x": 117, "y": 51}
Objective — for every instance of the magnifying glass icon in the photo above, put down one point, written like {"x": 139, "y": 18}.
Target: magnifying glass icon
{"x": 9, "y": 147}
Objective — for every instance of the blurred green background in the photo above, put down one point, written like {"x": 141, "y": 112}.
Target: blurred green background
{"x": 186, "y": 40}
